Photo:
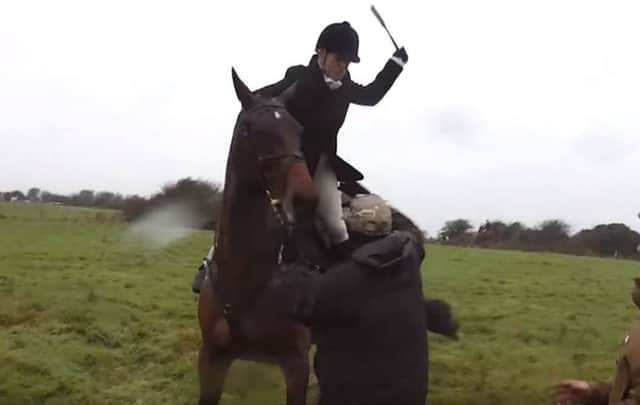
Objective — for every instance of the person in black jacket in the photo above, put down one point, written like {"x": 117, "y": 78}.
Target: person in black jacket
{"x": 367, "y": 313}
{"x": 319, "y": 96}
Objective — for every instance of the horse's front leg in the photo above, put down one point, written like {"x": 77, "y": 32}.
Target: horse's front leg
{"x": 213, "y": 365}
{"x": 295, "y": 368}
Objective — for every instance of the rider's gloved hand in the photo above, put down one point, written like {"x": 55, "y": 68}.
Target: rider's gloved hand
{"x": 402, "y": 55}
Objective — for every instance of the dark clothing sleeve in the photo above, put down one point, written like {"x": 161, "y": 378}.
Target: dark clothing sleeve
{"x": 335, "y": 295}
{"x": 290, "y": 77}
{"x": 340, "y": 293}
{"x": 439, "y": 318}
{"x": 372, "y": 93}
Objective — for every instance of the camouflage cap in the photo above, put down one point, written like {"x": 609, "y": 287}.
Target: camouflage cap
{"x": 368, "y": 215}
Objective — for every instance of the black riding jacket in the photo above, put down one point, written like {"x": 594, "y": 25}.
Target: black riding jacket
{"x": 322, "y": 111}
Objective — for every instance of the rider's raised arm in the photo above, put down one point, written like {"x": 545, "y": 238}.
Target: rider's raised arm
{"x": 372, "y": 93}
{"x": 290, "y": 77}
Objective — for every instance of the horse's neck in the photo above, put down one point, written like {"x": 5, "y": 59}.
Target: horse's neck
{"x": 247, "y": 251}
{"x": 245, "y": 229}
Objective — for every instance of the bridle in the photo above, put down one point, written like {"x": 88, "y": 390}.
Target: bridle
{"x": 275, "y": 203}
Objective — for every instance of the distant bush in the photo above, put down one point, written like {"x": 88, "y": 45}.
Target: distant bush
{"x": 607, "y": 240}
{"x": 457, "y": 232}
{"x": 553, "y": 235}
{"x": 201, "y": 198}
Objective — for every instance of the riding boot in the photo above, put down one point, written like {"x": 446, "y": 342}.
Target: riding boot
{"x": 344, "y": 249}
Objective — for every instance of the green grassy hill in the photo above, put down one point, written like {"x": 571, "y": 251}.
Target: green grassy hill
{"x": 89, "y": 315}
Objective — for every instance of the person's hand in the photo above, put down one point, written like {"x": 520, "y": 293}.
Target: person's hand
{"x": 402, "y": 54}
{"x": 570, "y": 392}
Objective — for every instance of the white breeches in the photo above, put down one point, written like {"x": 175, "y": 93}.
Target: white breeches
{"x": 329, "y": 209}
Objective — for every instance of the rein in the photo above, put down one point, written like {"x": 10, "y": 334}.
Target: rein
{"x": 275, "y": 203}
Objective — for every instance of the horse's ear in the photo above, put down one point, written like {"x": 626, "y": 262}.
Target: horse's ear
{"x": 247, "y": 99}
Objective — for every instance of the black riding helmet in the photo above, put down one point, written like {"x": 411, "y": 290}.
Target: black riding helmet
{"x": 342, "y": 39}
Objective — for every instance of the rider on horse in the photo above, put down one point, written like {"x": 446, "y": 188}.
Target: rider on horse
{"x": 321, "y": 97}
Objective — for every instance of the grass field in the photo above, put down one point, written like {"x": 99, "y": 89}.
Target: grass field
{"x": 89, "y": 316}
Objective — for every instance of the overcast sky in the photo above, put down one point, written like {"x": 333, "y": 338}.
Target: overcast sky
{"x": 513, "y": 110}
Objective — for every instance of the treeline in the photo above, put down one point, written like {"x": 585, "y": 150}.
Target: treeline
{"x": 554, "y": 235}
{"x": 201, "y": 198}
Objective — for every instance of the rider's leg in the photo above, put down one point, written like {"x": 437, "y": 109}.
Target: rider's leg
{"x": 329, "y": 208}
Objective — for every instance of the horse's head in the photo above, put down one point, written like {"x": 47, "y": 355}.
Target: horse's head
{"x": 267, "y": 153}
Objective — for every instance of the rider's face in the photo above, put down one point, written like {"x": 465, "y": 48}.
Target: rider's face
{"x": 332, "y": 64}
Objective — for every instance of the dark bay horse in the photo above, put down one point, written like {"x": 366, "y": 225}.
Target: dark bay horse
{"x": 265, "y": 173}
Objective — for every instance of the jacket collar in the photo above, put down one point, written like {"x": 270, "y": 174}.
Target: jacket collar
{"x": 317, "y": 72}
